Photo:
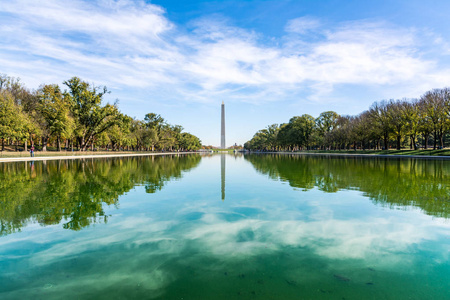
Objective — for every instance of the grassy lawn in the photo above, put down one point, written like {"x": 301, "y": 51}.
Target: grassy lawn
{"x": 441, "y": 152}
{"x": 65, "y": 153}
{"x": 223, "y": 150}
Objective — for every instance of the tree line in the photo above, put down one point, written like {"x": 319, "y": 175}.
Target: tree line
{"x": 75, "y": 118}
{"x": 412, "y": 123}
{"x": 422, "y": 183}
{"x": 76, "y": 192}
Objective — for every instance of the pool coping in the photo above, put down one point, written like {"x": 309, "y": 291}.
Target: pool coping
{"x": 368, "y": 155}
{"x": 61, "y": 157}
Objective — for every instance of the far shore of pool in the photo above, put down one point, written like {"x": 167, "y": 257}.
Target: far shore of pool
{"x": 360, "y": 155}
{"x": 79, "y": 155}
{"x": 82, "y": 156}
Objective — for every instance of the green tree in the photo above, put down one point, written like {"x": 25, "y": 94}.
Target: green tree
{"x": 118, "y": 134}
{"x": 189, "y": 142}
{"x": 149, "y": 138}
{"x": 167, "y": 137}
{"x": 14, "y": 123}
{"x": 361, "y": 130}
{"x": 433, "y": 102}
{"x": 283, "y": 139}
{"x": 302, "y": 129}
{"x": 380, "y": 119}
{"x": 54, "y": 108}
{"x": 397, "y": 115}
{"x": 154, "y": 134}
{"x": 90, "y": 117}
{"x": 272, "y": 133}
{"x": 325, "y": 124}
{"x": 154, "y": 121}
{"x": 412, "y": 118}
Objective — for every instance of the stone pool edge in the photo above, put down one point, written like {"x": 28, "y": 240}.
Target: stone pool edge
{"x": 41, "y": 158}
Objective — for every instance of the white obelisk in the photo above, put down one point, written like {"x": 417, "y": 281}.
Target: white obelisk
{"x": 222, "y": 136}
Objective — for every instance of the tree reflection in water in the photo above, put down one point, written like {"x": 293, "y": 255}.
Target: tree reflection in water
{"x": 75, "y": 191}
{"x": 386, "y": 181}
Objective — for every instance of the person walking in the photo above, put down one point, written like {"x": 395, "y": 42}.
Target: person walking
{"x": 32, "y": 151}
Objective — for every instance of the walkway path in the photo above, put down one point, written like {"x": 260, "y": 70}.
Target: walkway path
{"x": 37, "y": 158}
{"x": 366, "y": 155}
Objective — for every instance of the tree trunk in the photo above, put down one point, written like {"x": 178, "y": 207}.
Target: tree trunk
{"x": 58, "y": 141}
{"x": 44, "y": 143}
{"x": 25, "y": 146}
{"x": 3, "y": 144}
{"x": 399, "y": 139}
{"x": 82, "y": 144}
{"x": 386, "y": 146}
{"x": 435, "y": 140}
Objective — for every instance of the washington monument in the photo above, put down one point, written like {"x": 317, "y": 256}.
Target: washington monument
{"x": 222, "y": 135}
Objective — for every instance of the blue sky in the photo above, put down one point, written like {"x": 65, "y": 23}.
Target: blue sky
{"x": 267, "y": 60}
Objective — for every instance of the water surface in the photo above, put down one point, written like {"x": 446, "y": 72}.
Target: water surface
{"x": 225, "y": 227}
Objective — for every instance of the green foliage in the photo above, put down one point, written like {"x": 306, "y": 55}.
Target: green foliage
{"x": 189, "y": 142}
{"x": 75, "y": 192}
{"x": 419, "y": 183}
{"x": 397, "y": 123}
{"x": 54, "y": 108}
{"x": 77, "y": 116}
{"x": 90, "y": 117}
{"x": 14, "y": 123}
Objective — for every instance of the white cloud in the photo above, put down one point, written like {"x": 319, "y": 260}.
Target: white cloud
{"x": 129, "y": 44}
{"x": 367, "y": 239}
{"x": 302, "y": 25}
{"x": 114, "y": 18}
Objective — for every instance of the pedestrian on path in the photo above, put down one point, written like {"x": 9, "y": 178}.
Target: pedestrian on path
{"x": 32, "y": 151}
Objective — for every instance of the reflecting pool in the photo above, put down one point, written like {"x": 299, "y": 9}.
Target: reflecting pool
{"x": 225, "y": 227}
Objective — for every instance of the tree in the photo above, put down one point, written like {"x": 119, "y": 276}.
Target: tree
{"x": 150, "y": 138}
{"x": 258, "y": 142}
{"x": 118, "y": 134}
{"x": 153, "y": 135}
{"x": 154, "y": 121}
{"x": 167, "y": 137}
{"x": 361, "y": 130}
{"x": 189, "y": 142}
{"x": 283, "y": 139}
{"x": 325, "y": 124}
{"x": 412, "y": 118}
{"x": 8, "y": 120}
{"x": 14, "y": 123}
{"x": 340, "y": 134}
{"x": 302, "y": 128}
{"x": 54, "y": 108}
{"x": 380, "y": 118}
{"x": 433, "y": 102}
{"x": 397, "y": 116}
{"x": 90, "y": 117}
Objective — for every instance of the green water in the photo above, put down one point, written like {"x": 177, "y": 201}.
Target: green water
{"x": 225, "y": 227}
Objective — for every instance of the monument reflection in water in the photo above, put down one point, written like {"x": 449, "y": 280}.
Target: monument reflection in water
{"x": 222, "y": 175}
{"x": 292, "y": 227}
